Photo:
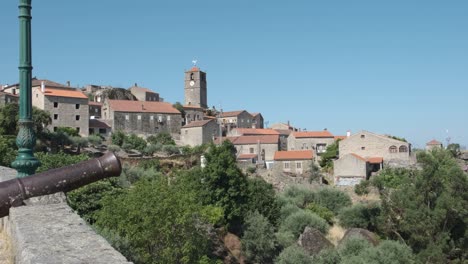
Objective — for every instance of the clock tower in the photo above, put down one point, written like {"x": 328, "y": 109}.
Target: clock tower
{"x": 195, "y": 88}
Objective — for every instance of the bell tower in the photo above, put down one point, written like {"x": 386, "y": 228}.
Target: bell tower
{"x": 195, "y": 88}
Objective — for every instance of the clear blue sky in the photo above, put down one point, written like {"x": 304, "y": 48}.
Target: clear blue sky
{"x": 394, "y": 67}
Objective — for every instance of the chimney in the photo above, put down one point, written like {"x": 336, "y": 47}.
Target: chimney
{"x": 348, "y": 133}
{"x": 42, "y": 87}
{"x": 68, "y": 83}
{"x": 136, "y": 85}
{"x": 325, "y": 129}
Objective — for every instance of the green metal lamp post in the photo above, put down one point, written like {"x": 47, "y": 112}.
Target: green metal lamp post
{"x": 25, "y": 163}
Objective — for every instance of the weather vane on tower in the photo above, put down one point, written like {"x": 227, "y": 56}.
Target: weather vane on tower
{"x": 194, "y": 61}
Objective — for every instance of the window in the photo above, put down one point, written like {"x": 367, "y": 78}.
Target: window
{"x": 298, "y": 165}
{"x": 286, "y": 165}
{"x": 55, "y": 129}
{"x": 55, "y": 116}
{"x": 363, "y": 136}
{"x": 78, "y": 129}
{"x": 363, "y": 148}
{"x": 139, "y": 117}
{"x": 127, "y": 117}
{"x": 77, "y": 106}
{"x": 95, "y": 110}
{"x": 55, "y": 104}
{"x": 321, "y": 148}
{"x": 102, "y": 131}
{"x": 251, "y": 150}
{"x": 151, "y": 117}
{"x": 168, "y": 118}
{"x": 393, "y": 149}
{"x": 403, "y": 148}
{"x": 77, "y": 117}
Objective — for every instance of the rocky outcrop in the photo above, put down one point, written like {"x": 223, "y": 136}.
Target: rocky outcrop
{"x": 313, "y": 241}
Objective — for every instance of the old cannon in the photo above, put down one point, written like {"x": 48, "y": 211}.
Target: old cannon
{"x": 14, "y": 192}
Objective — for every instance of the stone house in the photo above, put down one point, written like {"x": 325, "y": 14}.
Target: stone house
{"x": 316, "y": 141}
{"x": 351, "y": 169}
{"x": 257, "y": 120}
{"x": 68, "y": 107}
{"x": 7, "y": 98}
{"x": 235, "y": 119}
{"x": 283, "y": 126}
{"x": 142, "y": 117}
{"x": 95, "y": 109}
{"x": 199, "y": 132}
{"x": 144, "y": 94}
{"x": 295, "y": 162}
{"x": 99, "y": 127}
{"x": 193, "y": 113}
{"x": 263, "y": 146}
{"x": 363, "y": 153}
{"x": 433, "y": 144}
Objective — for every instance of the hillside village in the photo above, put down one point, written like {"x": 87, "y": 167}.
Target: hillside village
{"x": 281, "y": 149}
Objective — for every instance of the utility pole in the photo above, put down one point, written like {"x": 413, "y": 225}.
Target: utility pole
{"x": 25, "y": 163}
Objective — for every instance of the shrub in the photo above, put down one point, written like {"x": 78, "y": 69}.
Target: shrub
{"x": 285, "y": 238}
{"x": 332, "y": 199}
{"x": 171, "y": 149}
{"x": 251, "y": 170}
{"x": 288, "y": 209}
{"x": 95, "y": 140}
{"x": 321, "y": 211}
{"x": 299, "y": 220}
{"x": 113, "y": 148}
{"x": 299, "y": 195}
{"x": 360, "y": 215}
{"x": 136, "y": 142}
{"x": 149, "y": 164}
{"x": 353, "y": 246}
{"x": 127, "y": 147}
{"x": 387, "y": 252}
{"x": 161, "y": 138}
{"x": 118, "y": 138}
{"x": 362, "y": 188}
{"x": 259, "y": 242}
{"x": 327, "y": 256}
{"x": 8, "y": 150}
{"x": 151, "y": 149}
{"x": 294, "y": 255}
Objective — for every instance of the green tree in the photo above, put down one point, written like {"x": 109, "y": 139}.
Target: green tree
{"x": 41, "y": 120}
{"x": 163, "y": 138}
{"x": 8, "y": 150}
{"x": 259, "y": 242}
{"x": 294, "y": 255}
{"x": 454, "y": 149}
{"x": 166, "y": 228}
{"x": 331, "y": 153}
{"x": 430, "y": 212}
{"x": 332, "y": 199}
{"x": 135, "y": 142}
{"x": 180, "y": 107}
{"x": 296, "y": 223}
{"x": 79, "y": 142}
{"x": 361, "y": 216}
{"x": 315, "y": 174}
{"x": 262, "y": 198}
{"x": 118, "y": 138}
{"x": 9, "y": 119}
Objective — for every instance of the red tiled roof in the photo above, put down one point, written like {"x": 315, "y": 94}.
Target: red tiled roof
{"x": 142, "y": 107}
{"x": 247, "y": 156}
{"x": 256, "y": 131}
{"x": 375, "y": 160}
{"x": 313, "y": 134}
{"x": 294, "y": 155}
{"x": 231, "y": 113}
{"x": 94, "y": 103}
{"x": 95, "y": 123}
{"x": 340, "y": 137}
{"x": 248, "y": 140}
{"x": 71, "y": 93}
{"x": 198, "y": 123}
{"x": 194, "y": 69}
{"x": 433, "y": 142}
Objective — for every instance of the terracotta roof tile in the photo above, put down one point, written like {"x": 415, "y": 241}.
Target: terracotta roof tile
{"x": 433, "y": 142}
{"x": 340, "y": 137}
{"x": 247, "y": 156}
{"x": 198, "y": 123}
{"x": 248, "y": 140}
{"x": 71, "y": 93}
{"x": 255, "y": 131}
{"x": 194, "y": 69}
{"x": 142, "y": 107}
{"x": 294, "y": 155}
{"x": 313, "y": 134}
{"x": 375, "y": 160}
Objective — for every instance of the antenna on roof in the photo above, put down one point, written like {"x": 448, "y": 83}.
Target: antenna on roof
{"x": 194, "y": 61}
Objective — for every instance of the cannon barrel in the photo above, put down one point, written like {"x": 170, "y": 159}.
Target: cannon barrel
{"x": 14, "y": 192}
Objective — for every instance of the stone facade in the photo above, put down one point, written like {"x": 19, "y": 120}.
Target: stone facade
{"x": 144, "y": 94}
{"x": 263, "y": 146}
{"x": 367, "y": 144}
{"x": 235, "y": 119}
{"x": 6, "y": 98}
{"x": 350, "y": 169}
{"x": 67, "y": 107}
{"x": 193, "y": 113}
{"x": 144, "y": 118}
{"x": 199, "y": 132}
{"x": 293, "y": 162}
{"x": 310, "y": 140}
{"x": 196, "y": 88}
{"x": 257, "y": 120}
{"x": 95, "y": 109}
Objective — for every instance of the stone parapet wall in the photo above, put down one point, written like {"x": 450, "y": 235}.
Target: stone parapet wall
{"x": 48, "y": 231}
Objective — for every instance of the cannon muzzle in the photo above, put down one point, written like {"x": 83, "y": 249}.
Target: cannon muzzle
{"x": 14, "y": 192}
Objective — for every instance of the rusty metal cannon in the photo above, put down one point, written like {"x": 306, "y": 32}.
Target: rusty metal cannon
{"x": 14, "y": 192}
